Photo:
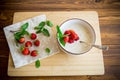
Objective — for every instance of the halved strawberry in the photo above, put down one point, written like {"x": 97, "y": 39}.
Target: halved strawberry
{"x": 71, "y": 40}
{"x": 74, "y": 35}
{"x": 28, "y": 44}
{"x": 66, "y": 39}
{"x": 37, "y": 42}
{"x": 33, "y": 36}
{"x": 67, "y": 32}
{"x": 34, "y": 53}
{"x": 77, "y": 39}
{"x": 70, "y": 36}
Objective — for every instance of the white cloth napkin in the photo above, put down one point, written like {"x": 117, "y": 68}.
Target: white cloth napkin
{"x": 45, "y": 42}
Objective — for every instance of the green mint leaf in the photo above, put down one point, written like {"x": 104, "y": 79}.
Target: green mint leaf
{"x": 25, "y": 32}
{"x": 60, "y": 35}
{"x": 59, "y": 32}
{"x": 38, "y": 31}
{"x": 47, "y": 50}
{"x": 24, "y": 26}
{"x": 45, "y": 32}
{"x": 22, "y": 32}
{"x": 49, "y": 23}
{"x": 62, "y": 41}
{"x": 17, "y": 35}
{"x": 41, "y": 25}
{"x": 36, "y": 28}
{"x": 37, "y": 63}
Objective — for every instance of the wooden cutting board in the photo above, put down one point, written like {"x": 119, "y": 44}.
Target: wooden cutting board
{"x": 62, "y": 64}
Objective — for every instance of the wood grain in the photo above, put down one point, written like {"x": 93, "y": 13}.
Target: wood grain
{"x": 59, "y": 4}
{"x": 109, "y": 15}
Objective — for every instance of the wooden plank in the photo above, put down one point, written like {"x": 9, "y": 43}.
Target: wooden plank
{"x": 68, "y": 65}
{"x": 61, "y": 4}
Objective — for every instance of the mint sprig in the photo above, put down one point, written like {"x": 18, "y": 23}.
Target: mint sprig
{"x": 60, "y": 35}
{"x": 40, "y": 28}
{"x": 21, "y": 32}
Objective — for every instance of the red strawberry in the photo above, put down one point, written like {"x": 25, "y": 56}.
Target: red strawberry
{"x": 22, "y": 40}
{"x": 67, "y": 32}
{"x": 28, "y": 44}
{"x": 66, "y": 39}
{"x": 25, "y": 51}
{"x": 37, "y": 43}
{"x": 77, "y": 39}
{"x": 74, "y": 35}
{"x": 71, "y": 36}
{"x": 71, "y": 40}
{"x": 33, "y": 36}
{"x": 34, "y": 53}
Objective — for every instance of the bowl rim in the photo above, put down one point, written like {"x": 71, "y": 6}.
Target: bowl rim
{"x": 80, "y": 52}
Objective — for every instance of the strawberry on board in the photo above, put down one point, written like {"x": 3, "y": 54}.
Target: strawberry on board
{"x": 21, "y": 40}
{"x": 25, "y": 51}
{"x": 33, "y": 36}
{"x": 37, "y": 42}
{"x": 34, "y": 53}
{"x": 28, "y": 44}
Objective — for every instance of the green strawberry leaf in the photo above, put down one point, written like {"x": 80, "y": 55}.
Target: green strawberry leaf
{"x": 37, "y": 63}
{"x": 45, "y": 32}
{"x": 24, "y": 26}
{"x": 47, "y": 50}
{"x": 21, "y": 48}
{"x": 49, "y": 23}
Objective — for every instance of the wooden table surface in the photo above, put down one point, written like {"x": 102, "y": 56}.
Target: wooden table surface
{"x": 109, "y": 17}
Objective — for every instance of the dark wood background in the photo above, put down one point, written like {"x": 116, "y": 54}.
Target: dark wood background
{"x": 109, "y": 17}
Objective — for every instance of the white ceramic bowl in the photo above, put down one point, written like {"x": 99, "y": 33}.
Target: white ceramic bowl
{"x": 85, "y": 32}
